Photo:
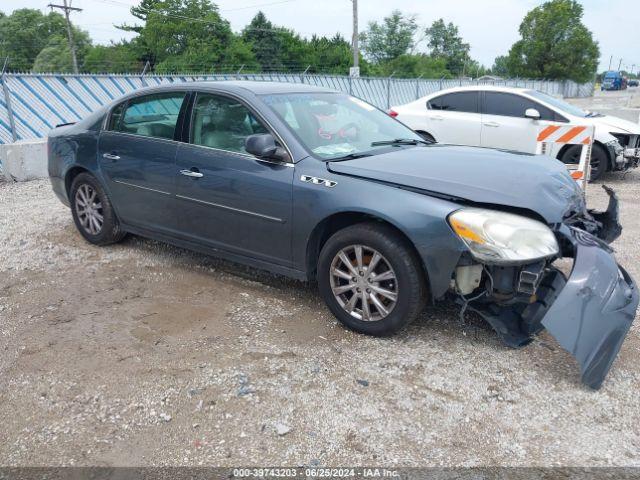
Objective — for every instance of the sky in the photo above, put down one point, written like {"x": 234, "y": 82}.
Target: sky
{"x": 490, "y": 26}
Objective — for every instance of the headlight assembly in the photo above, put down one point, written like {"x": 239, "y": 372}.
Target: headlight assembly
{"x": 503, "y": 238}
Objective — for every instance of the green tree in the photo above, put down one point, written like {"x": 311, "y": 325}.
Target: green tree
{"x": 446, "y": 43}
{"x": 382, "y": 42}
{"x": 500, "y": 66}
{"x": 115, "y": 58}
{"x": 55, "y": 57}
{"x": 265, "y": 41}
{"x": 415, "y": 65}
{"x": 183, "y": 35}
{"x": 296, "y": 55}
{"x": 555, "y": 44}
{"x": 25, "y": 32}
{"x": 277, "y": 48}
{"x": 330, "y": 55}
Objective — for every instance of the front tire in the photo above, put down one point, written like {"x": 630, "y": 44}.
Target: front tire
{"x": 92, "y": 211}
{"x": 599, "y": 159}
{"x": 371, "y": 279}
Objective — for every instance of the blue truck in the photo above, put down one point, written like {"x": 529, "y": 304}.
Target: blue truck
{"x": 613, "y": 81}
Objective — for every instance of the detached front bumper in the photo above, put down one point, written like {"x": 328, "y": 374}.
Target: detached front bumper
{"x": 589, "y": 313}
{"x": 594, "y": 310}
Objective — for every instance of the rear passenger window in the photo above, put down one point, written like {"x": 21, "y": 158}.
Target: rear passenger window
{"x": 455, "y": 102}
{"x": 509, "y": 105}
{"x": 151, "y": 115}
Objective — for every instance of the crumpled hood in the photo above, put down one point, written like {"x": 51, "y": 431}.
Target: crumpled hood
{"x": 609, "y": 123}
{"x": 480, "y": 175}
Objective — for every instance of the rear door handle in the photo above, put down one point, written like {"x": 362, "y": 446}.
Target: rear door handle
{"x": 191, "y": 173}
{"x": 437, "y": 117}
{"x": 110, "y": 156}
{"x": 491, "y": 124}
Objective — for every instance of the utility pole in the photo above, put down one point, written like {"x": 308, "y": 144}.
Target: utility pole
{"x": 355, "y": 70}
{"x": 67, "y": 8}
{"x": 610, "y": 60}
{"x": 619, "y": 64}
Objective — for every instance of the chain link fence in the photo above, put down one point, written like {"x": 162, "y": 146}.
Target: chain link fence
{"x": 33, "y": 104}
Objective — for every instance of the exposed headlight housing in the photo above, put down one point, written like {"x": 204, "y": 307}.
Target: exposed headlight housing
{"x": 503, "y": 238}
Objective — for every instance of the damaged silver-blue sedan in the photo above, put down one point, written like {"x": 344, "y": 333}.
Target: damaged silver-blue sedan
{"x": 321, "y": 186}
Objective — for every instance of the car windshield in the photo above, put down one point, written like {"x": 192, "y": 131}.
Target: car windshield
{"x": 558, "y": 103}
{"x": 336, "y": 125}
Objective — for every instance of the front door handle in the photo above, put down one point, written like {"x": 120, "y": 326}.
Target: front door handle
{"x": 437, "y": 117}
{"x": 110, "y": 156}
{"x": 191, "y": 173}
{"x": 491, "y": 124}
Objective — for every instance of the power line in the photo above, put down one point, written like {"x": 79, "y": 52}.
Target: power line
{"x": 258, "y": 5}
{"x": 202, "y": 20}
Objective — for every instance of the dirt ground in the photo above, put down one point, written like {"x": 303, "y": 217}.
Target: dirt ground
{"x": 145, "y": 354}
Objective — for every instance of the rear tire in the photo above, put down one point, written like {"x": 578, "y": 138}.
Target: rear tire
{"x": 392, "y": 302}
{"x": 92, "y": 211}
{"x": 599, "y": 159}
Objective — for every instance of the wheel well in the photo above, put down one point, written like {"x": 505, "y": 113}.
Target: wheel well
{"x": 566, "y": 147}
{"x": 70, "y": 175}
{"x": 426, "y": 133}
{"x": 338, "y": 221}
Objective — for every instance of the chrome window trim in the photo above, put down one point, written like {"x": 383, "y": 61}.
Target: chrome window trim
{"x": 233, "y": 209}
{"x": 245, "y": 156}
{"x": 169, "y": 140}
{"x": 291, "y": 164}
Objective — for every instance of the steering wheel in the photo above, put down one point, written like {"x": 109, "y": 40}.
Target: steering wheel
{"x": 349, "y": 131}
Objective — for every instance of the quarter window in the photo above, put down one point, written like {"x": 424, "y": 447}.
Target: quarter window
{"x": 222, "y": 123}
{"x": 508, "y": 105}
{"x": 150, "y": 116}
{"x": 455, "y": 102}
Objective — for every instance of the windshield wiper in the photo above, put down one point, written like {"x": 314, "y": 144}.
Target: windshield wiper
{"x": 594, "y": 114}
{"x": 400, "y": 141}
{"x": 350, "y": 156}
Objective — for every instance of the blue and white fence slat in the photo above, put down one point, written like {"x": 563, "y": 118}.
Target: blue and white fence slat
{"x": 41, "y": 101}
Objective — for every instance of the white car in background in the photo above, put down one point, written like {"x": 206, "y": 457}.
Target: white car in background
{"x": 509, "y": 118}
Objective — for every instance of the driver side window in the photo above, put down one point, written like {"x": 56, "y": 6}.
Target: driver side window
{"x": 222, "y": 123}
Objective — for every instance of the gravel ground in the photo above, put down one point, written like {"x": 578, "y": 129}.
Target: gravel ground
{"x": 145, "y": 354}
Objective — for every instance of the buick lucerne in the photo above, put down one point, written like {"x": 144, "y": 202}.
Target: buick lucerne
{"x": 321, "y": 186}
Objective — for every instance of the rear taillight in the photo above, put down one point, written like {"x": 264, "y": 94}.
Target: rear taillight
{"x": 393, "y": 113}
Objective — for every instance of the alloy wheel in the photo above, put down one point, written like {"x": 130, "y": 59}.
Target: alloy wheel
{"x": 363, "y": 283}
{"x": 89, "y": 209}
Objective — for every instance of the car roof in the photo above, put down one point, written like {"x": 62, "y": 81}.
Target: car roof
{"x": 475, "y": 88}
{"x": 240, "y": 87}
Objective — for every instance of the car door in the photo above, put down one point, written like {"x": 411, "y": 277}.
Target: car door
{"x": 454, "y": 118}
{"x": 227, "y": 198}
{"x": 504, "y": 125}
{"x": 137, "y": 154}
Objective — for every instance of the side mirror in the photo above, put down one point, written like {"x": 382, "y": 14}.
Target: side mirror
{"x": 532, "y": 113}
{"x": 264, "y": 146}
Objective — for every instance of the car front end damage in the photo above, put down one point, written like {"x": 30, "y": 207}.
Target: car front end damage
{"x": 624, "y": 151}
{"x": 588, "y": 307}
